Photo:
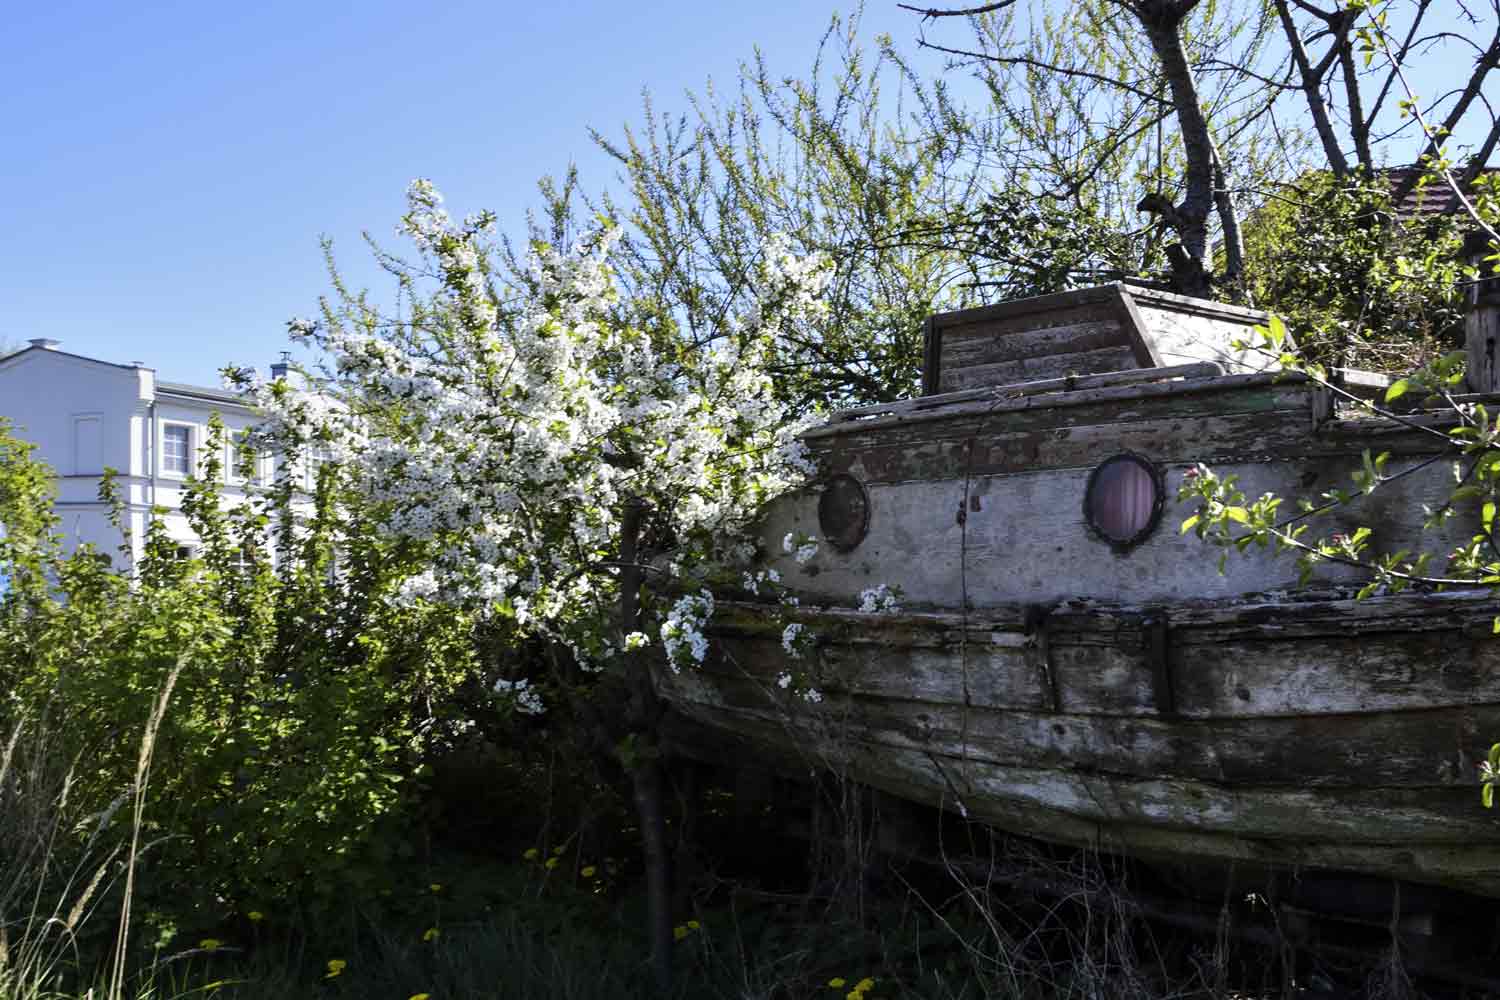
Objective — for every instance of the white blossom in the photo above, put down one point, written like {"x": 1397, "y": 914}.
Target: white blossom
{"x": 480, "y": 425}
{"x": 802, "y": 547}
{"x": 878, "y": 599}
{"x": 682, "y": 633}
{"x": 522, "y": 694}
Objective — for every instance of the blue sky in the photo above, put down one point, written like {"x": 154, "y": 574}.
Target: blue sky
{"x": 169, "y": 168}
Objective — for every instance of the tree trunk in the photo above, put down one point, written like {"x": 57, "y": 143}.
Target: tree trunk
{"x": 648, "y": 783}
{"x": 1359, "y": 126}
{"x": 1162, "y": 21}
{"x": 643, "y": 759}
{"x": 1229, "y": 221}
{"x": 1312, "y": 89}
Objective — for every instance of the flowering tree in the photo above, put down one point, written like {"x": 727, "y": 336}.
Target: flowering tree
{"x": 537, "y": 442}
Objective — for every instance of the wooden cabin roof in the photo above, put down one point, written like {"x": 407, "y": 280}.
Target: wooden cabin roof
{"x": 1091, "y": 331}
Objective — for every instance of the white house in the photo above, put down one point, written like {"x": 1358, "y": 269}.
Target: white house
{"x": 85, "y": 415}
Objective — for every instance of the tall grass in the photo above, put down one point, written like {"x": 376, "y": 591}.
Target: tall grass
{"x": 59, "y": 864}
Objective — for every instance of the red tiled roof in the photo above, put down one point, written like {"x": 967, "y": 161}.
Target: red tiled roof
{"x": 1425, "y": 202}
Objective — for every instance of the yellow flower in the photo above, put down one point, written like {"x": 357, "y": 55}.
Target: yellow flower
{"x": 838, "y": 982}
{"x": 256, "y": 916}
{"x": 210, "y": 944}
{"x": 430, "y": 934}
{"x": 335, "y": 966}
{"x": 865, "y": 985}
{"x": 588, "y": 871}
{"x": 531, "y": 853}
{"x": 679, "y": 932}
{"x": 551, "y": 863}
{"x": 693, "y": 925}
{"x": 436, "y": 887}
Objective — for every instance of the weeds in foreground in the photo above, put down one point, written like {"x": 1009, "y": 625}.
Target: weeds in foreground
{"x": 58, "y": 867}
{"x": 50, "y": 884}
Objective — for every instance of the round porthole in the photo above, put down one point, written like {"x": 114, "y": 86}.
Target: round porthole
{"x": 1123, "y": 501}
{"x": 844, "y": 512}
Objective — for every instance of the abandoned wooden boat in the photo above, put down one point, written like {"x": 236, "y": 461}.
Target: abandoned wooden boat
{"x": 1065, "y": 664}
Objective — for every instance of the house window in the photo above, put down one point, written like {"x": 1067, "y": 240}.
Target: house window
{"x": 317, "y": 457}
{"x": 184, "y": 553}
{"x": 176, "y": 450}
{"x": 242, "y": 562}
{"x": 88, "y": 447}
{"x": 244, "y": 462}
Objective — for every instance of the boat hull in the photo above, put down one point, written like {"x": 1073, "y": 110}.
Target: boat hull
{"x": 1324, "y": 734}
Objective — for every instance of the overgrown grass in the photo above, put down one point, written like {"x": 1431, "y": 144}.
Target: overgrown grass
{"x": 52, "y": 880}
{"x": 563, "y": 921}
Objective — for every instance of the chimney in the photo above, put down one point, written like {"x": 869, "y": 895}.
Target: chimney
{"x": 280, "y": 368}
{"x": 46, "y": 343}
{"x": 1482, "y": 315}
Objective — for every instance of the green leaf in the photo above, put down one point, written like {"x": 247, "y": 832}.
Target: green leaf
{"x": 1397, "y": 389}
{"x": 1189, "y": 523}
{"x": 1239, "y": 514}
{"x": 1488, "y": 795}
{"x": 1276, "y": 331}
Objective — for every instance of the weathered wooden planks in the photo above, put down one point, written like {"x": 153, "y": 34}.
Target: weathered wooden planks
{"x": 1431, "y": 748}
{"x": 1352, "y": 812}
{"x": 1016, "y": 390}
{"x": 1107, "y": 328}
{"x": 1229, "y": 394}
{"x": 1473, "y": 866}
{"x": 1072, "y": 333}
{"x": 1272, "y": 660}
{"x": 1114, "y": 358}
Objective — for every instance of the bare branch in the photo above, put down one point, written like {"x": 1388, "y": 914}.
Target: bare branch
{"x": 1486, "y": 62}
{"x": 1401, "y": 54}
{"x": 1310, "y": 87}
{"x": 932, "y": 13}
{"x": 1081, "y": 74}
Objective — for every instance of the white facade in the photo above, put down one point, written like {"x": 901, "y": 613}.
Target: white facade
{"x": 86, "y": 415}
